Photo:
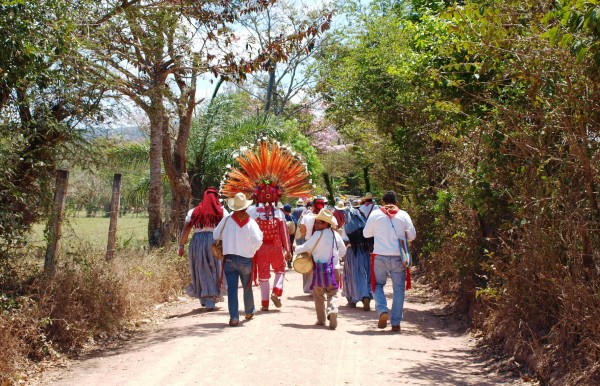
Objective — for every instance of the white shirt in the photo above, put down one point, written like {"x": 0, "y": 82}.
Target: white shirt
{"x": 365, "y": 209}
{"x": 308, "y": 220}
{"x": 243, "y": 241}
{"x": 386, "y": 238}
{"x": 325, "y": 248}
{"x": 188, "y": 218}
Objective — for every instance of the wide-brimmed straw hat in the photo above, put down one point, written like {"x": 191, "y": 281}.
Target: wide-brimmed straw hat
{"x": 340, "y": 205}
{"x": 327, "y": 216}
{"x": 300, "y": 202}
{"x": 356, "y": 203}
{"x": 239, "y": 202}
{"x": 367, "y": 196}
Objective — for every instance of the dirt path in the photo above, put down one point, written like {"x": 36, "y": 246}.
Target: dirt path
{"x": 284, "y": 347}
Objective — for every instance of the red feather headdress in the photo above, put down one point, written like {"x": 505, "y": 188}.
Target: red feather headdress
{"x": 268, "y": 172}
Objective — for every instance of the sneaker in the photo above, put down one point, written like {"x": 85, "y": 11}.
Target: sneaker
{"x": 276, "y": 300}
{"x": 234, "y": 323}
{"x": 383, "y": 319}
{"x": 249, "y": 316}
{"x": 396, "y": 328}
{"x": 332, "y": 320}
{"x": 366, "y": 303}
{"x": 264, "y": 308}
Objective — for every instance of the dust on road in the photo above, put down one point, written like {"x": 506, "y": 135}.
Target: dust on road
{"x": 285, "y": 347}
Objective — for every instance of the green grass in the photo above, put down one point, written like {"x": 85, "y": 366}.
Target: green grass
{"x": 132, "y": 231}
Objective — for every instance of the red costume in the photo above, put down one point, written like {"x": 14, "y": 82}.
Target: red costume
{"x": 268, "y": 174}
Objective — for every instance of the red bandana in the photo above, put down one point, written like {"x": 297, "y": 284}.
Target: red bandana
{"x": 390, "y": 210}
{"x": 241, "y": 218}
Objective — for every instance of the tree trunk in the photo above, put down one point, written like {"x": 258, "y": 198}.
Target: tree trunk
{"x": 270, "y": 88}
{"x": 158, "y": 120}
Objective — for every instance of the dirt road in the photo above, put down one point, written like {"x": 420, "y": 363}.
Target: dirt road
{"x": 284, "y": 347}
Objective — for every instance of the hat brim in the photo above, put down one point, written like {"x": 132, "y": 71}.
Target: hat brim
{"x": 332, "y": 221}
{"x": 231, "y": 201}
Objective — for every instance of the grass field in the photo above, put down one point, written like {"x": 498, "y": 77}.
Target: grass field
{"x": 132, "y": 231}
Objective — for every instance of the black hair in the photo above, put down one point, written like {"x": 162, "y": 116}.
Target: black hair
{"x": 390, "y": 197}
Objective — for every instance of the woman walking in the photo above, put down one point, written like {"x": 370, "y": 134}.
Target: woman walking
{"x": 204, "y": 267}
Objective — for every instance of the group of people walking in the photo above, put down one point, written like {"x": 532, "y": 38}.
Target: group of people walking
{"x": 355, "y": 247}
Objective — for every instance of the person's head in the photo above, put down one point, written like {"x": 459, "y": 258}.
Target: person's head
{"x": 340, "y": 205}
{"x": 300, "y": 202}
{"x": 318, "y": 204}
{"x": 325, "y": 220}
{"x": 287, "y": 208}
{"x": 390, "y": 198}
{"x": 368, "y": 197}
{"x": 356, "y": 203}
{"x": 239, "y": 202}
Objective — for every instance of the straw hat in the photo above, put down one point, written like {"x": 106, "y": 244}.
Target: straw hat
{"x": 340, "y": 205}
{"x": 300, "y": 202}
{"x": 303, "y": 263}
{"x": 327, "y": 216}
{"x": 356, "y": 203}
{"x": 367, "y": 196}
{"x": 239, "y": 202}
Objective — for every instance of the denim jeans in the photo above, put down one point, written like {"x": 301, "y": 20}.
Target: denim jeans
{"x": 239, "y": 267}
{"x": 392, "y": 266}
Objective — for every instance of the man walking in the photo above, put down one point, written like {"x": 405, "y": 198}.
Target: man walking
{"x": 241, "y": 239}
{"x": 391, "y": 228}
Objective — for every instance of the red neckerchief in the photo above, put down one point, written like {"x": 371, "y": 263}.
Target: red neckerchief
{"x": 241, "y": 218}
{"x": 390, "y": 210}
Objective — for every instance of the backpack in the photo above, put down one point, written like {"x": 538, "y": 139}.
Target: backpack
{"x": 354, "y": 221}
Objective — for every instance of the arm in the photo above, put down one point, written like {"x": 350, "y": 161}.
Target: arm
{"x": 308, "y": 245}
{"x": 217, "y": 231}
{"x": 184, "y": 237}
{"x": 411, "y": 232}
{"x": 368, "y": 231}
{"x": 256, "y": 236}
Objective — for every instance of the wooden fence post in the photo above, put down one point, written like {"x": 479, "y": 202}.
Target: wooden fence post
{"x": 60, "y": 194}
{"x": 114, "y": 216}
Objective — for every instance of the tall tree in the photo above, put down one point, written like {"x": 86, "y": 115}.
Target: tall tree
{"x": 293, "y": 79}
{"x": 154, "y": 54}
{"x": 46, "y": 100}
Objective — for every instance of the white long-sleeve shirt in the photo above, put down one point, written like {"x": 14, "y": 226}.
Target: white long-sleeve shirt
{"x": 386, "y": 238}
{"x": 243, "y": 241}
{"x": 325, "y": 248}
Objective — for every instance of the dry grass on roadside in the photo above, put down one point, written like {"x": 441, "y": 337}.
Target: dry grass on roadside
{"x": 87, "y": 298}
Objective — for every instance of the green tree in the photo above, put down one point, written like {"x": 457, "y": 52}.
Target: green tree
{"x": 46, "y": 101}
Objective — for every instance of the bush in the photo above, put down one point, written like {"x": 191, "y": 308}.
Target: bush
{"x": 87, "y": 298}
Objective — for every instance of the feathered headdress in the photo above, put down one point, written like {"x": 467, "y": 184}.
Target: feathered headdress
{"x": 268, "y": 172}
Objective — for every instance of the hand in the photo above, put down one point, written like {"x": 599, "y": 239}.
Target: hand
{"x": 288, "y": 256}
{"x": 181, "y": 250}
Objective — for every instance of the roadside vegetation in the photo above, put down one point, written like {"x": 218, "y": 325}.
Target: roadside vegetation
{"x": 482, "y": 114}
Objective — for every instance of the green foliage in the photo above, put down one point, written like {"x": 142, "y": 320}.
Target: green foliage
{"x": 227, "y": 124}
{"x": 483, "y": 116}
{"x": 45, "y": 102}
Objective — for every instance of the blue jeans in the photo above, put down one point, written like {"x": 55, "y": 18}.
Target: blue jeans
{"x": 392, "y": 266}
{"x": 239, "y": 267}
